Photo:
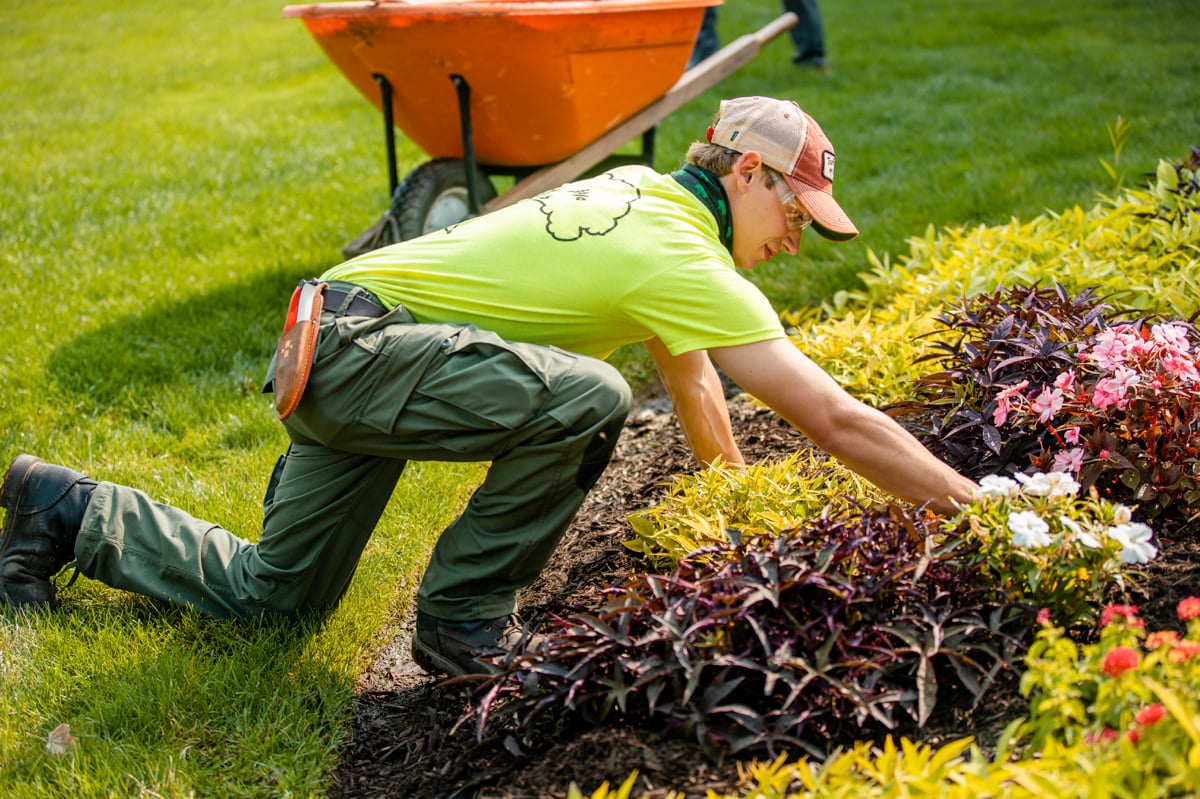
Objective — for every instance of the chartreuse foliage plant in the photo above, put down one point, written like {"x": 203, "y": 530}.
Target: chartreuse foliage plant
{"x": 1038, "y": 379}
{"x": 1139, "y": 247}
{"x": 1139, "y": 250}
{"x": 761, "y": 499}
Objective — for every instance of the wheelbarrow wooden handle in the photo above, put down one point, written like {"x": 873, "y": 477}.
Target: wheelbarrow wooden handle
{"x": 694, "y": 82}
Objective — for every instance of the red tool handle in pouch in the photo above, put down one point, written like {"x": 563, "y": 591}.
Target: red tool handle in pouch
{"x": 294, "y": 353}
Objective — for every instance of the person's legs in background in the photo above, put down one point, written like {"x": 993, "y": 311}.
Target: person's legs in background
{"x": 707, "y": 41}
{"x": 808, "y": 35}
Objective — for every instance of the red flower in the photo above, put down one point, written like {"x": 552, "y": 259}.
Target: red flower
{"x": 1184, "y": 650}
{"x": 1043, "y": 617}
{"x": 1150, "y": 714}
{"x": 1119, "y": 660}
{"x": 1161, "y": 638}
{"x": 1119, "y": 611}
{"x": 1189, "y": 608}
{"x": 1106, "y": 735}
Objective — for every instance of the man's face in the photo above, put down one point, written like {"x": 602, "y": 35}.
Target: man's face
{"x": 761, "y": 228}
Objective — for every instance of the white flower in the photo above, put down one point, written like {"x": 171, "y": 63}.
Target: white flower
{"x": 1087, "y": 539}
{"x": 1134, "y": 538}
{"x": 1028, "y": 529}
{"x": 1051, "y": 484}
{"x": 994, "y": 486}
{"x": 1122, "y": 515}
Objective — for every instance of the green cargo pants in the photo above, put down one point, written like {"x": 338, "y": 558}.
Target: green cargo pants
{"x": 384, "y": 391}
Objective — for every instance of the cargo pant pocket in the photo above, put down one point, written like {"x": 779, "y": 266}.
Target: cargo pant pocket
{"x": 495, "y": 383}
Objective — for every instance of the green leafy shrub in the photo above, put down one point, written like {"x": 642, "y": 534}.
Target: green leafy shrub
{"x": 868, "y": 352}
{"x": 800, "y": 638}
{"x": 761, "y": 499}
{"x": 1131, "y": 692}
{"x": 1141, "y": 249}
{"x": 956, "y": 770}
{"x": 1041, "y": 544}
{"x": 1175, "y": 190}
{"x": 1037, "y": 379}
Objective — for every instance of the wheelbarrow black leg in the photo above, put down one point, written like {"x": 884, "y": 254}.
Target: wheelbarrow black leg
{"x": 389, "y": 133}
{"x": 648, "y": 146}
{"x": 464, "y": 116}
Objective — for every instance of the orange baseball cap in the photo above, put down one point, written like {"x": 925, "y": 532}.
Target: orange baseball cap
{"x": 792, "y": 143}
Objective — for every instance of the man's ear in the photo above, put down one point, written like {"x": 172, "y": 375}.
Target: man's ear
{"x": 745, "y": 168}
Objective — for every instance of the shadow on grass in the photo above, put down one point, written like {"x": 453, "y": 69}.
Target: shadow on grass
{"x": 225, "y": 336}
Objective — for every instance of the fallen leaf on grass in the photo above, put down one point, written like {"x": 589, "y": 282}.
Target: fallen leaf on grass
{"x": 61, "y": 741}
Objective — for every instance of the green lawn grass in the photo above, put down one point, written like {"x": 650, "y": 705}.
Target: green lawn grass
{"x": 169, "y": 171}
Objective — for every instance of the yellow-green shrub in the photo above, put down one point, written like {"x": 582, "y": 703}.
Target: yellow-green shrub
{"x": 1140, "y": 250}
{"x": 765, "y": 497}
{"x": 957, "y": 770}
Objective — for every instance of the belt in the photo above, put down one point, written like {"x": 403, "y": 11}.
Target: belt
{"x": 362, "y": 304}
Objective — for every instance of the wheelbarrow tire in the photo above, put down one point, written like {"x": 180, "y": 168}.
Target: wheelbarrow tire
{"x": 435, "y": 195}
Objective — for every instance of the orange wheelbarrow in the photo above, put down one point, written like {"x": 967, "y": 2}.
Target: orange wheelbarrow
{"x": 537, "y": 90}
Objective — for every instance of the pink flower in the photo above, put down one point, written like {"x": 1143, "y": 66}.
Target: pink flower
{"x": 1065, "y": 382}
{"x": 1106, "y": 393}
{"x": 1043, "y": 617}
{"x": 1184, "y": 650}
{"x": 1068, "y": 460}
{"x": 1119, "y": 660}
{"x": 1111, "y": 612}
{"x": 1046, "y": 404}
{"x": 1189, "y": 608}
{"x": 1171, "y": 337}
{"x": 1004, "y": 402}
{"x": 1112, "y": 390}
{"x": 1182, "y": 367}
{"x": 1071, "y": 435}
{"x": 1150, "y": 714}
{"x": 1110, "y": 347}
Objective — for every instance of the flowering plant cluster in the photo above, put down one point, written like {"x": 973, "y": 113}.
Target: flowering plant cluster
{"x": 1036, "y": 378}
{"x": 1125, "y": 418}
{"x": 1132, "y": 688}
{"x": 1044, "y": 545}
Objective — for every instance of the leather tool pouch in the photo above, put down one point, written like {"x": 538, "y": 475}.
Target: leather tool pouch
{"x": 294, "y": 353}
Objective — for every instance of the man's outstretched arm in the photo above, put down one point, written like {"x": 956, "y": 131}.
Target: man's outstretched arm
{"x": 863, "y": 438}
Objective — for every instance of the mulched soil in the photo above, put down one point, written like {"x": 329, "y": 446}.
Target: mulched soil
{"x": 406, "y": 740}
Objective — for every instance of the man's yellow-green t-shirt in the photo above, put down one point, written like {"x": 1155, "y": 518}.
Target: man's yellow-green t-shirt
{"x": 588, "y": 267}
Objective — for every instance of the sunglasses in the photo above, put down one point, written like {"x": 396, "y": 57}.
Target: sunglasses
{"x": 798, "y": 217}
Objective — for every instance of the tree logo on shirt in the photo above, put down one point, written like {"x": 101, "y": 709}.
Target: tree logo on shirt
{"x": 586, "y": 208}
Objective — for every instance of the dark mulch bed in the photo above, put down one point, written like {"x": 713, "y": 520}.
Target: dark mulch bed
{"x": 404, "y": 742}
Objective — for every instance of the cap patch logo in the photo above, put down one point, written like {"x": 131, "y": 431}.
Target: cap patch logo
{"x": 827, "y": 165}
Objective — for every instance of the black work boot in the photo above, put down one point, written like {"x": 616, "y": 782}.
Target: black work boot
{"x": 454, "y": 647}
{"x": 44, "y": 507}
